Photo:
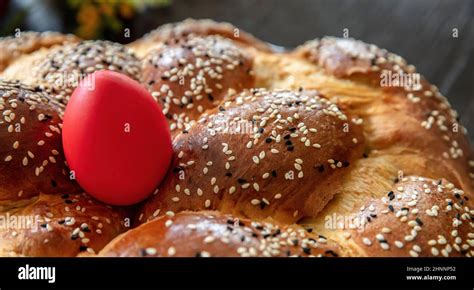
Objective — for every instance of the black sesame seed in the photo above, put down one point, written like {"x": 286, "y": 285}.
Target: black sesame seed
{"x": 332, "y": 253}
{"x": 143, "y": 252}
{"x": 268, "y": 140}
{"x": 241, "y": 180}
{"x": 82, "y": 248}
{"x": 419, "y": 222}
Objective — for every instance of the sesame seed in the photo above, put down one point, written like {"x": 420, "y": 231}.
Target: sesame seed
{"x": 255, "y": 202}
{"x": 150, "y": 251}
{"x": 366, "y": 241}
{"x": 171, "y": 251}
{"x": 413, "y": 253}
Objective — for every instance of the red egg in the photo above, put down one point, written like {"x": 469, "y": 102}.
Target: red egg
{"x": 116, "y": 139}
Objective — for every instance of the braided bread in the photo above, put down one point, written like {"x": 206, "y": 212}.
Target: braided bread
{"x": 208, "y": 234}
{"x": 28, "y": 42}
{"x": 306, "y": 152}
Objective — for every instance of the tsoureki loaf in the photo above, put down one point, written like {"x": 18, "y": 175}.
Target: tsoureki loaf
{"x": 298, "y": 153}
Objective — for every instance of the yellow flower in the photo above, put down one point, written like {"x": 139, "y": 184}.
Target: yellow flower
{"x": 89, "y": 19}
{"x": 87, "y": 13}
{"x": 126, "y": 10}
{"x": 108, "y": 9}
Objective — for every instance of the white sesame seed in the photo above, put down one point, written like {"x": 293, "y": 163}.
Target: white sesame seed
{"x": 150, "y": 251}
{"x": 171, "y": 251}
{"x": 413, "y": 253}
{"x": 398, "y": 244}
{"x": 366, "y": 241}
{"x": 255, "y": 202}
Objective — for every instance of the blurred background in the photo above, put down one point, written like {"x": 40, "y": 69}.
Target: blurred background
{"x": 437, "y": 36}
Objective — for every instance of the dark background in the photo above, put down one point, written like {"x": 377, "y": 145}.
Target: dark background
{"x": 419, "y": 30}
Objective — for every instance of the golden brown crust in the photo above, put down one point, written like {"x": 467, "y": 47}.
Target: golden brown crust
{"x": 260, "y": 154}
{"x": 27, "y": 42}
{"x": 59, "y": 225}
{"x": 413, "y": 116}
{"x": 191, "y": 75}
{"x": 418, "y": 217}
{"x": 212, "y": 234}
{"x": 59, "y": 70}
{"x": 201, "y": 27}
{"x": 31, "y": 155}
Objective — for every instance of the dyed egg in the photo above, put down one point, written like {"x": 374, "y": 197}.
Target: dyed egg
{"x": 116, "y": 139}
